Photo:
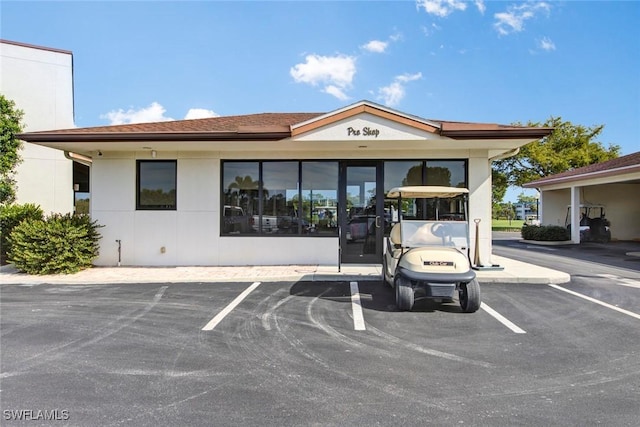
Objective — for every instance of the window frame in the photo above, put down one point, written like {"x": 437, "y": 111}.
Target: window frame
{"x": 424, "y": 162}
{"x": 141, "y": 207}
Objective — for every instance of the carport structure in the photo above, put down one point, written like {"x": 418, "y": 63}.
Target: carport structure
{"x": 615, "y": 184}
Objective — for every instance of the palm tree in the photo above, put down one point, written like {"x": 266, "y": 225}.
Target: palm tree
{"x": 245, "y": 186}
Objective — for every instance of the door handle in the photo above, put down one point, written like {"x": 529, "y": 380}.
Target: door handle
{"x": 377, "y": 221}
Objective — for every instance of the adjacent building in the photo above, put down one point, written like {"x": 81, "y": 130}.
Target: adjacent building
{"x": 40, "y": 82}
{"x": 610, "y": 188}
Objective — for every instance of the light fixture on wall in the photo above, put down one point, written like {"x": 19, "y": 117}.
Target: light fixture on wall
{"x": 153, "y": 154}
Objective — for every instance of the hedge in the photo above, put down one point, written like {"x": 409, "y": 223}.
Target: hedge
{"x": 58, "y": 244}
{"x": 10, "y": 217}
{"x": 549, "y": 233}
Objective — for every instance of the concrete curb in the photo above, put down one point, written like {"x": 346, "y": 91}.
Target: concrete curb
{"x": 513, "y": 272}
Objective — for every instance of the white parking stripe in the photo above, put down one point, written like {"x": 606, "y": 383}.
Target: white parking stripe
{"x": 623, "y": 281}
{"x": 214, "y": 322}
{"x": 356, "y": 306}
{"x": 602, "y": 303}
{"x": 500, "y": 318}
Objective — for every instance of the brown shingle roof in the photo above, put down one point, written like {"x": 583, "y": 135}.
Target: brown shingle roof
{"x": 263, "y": 126}
{"x": 630, "y": 160}
{"x": 250, "y": 122}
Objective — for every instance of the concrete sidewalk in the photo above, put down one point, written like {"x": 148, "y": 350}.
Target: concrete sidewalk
{"x": 512, "y": 272}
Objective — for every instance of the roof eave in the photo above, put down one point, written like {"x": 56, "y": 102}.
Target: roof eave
{"x": 531, "y": 133}
{"x": 581, "y": 176}
{"x": 152, "y": 136}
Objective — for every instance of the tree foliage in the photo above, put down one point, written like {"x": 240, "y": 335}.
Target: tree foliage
{"x": 499, "y": 186}
{"x": 10, "y": 126}
{"x": 568, "y": 147}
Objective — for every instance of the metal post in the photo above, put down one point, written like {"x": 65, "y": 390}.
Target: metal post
{"x": 119, "y": 242}
{"x": 476, "y": 255}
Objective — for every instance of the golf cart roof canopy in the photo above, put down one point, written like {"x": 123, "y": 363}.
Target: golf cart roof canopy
{"x": 425, "y": 191}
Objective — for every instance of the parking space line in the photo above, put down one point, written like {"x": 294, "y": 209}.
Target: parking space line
{"x": 622, "y": 281}
{"x": 214, "y": 322}
{"x": 596, "y": 301}
{"x": 500, "y": 318}
{"x": 356, "y": 306}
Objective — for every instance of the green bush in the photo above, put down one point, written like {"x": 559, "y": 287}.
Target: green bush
{"x": 58, "y": 244}
{"x": 10, "y": 217}
{"x": 547, "y": 233}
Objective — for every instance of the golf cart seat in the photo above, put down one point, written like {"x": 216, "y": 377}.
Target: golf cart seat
{"x": 394, "y": 235}
{"x": 395, "y": 242}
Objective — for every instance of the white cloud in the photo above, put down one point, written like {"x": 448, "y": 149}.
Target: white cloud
{"x": 200, "y": 113}
{"x": 546, "y": 44}
{"x": 481, "y": 6}
{"x": 394, "y": 93}
{"x": 336, "y": 91}
{"x": 152, "y": 113}
{"x": 155, "y": 112}
{"x": 391, "y": 95}
{"x": 512, "y": 21}
{"x": 441, "y": 8}
{"x": 430, "y": 30}
{"x": 404, "y": 78}
{"x": 334, "y": 72}
{"x": 376, "y": 46}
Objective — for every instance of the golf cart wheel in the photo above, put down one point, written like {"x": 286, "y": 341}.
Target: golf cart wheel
{"x": 470, "y": 296}
{"x": 404, "y": 294}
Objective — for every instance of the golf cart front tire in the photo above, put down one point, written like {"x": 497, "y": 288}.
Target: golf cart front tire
{"x": 470, "y": 296}
{"x": 404, "y": 294}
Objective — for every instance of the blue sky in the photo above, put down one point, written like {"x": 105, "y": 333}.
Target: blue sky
{"x": 484, "y": 61}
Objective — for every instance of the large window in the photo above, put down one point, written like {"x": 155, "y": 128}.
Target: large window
{"x": 156, "y": 185}
{"x": 320, "y": 197}
{"x": 279, "y": 210}
{"x": 449, "y": 173}
{"x": 240, "y": 185}
{"x": 301, "y": 197}
{"x": 267, "y": 198}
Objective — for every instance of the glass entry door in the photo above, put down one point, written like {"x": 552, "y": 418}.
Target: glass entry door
{"x": 361, "y": 204}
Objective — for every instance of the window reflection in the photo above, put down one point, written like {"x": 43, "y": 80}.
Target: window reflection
{"x": 156, "y": 185}
{"x": 320, "y": 197}
{"x": 240, "y": 184}
{"x": 279, "y": 195}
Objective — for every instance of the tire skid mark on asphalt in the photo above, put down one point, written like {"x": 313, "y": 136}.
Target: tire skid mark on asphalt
{"x": 47, "y": 355}
{"x": 597, "y": 301}
{"x": 397, "y": 392}
{"x": 429, "y": 351}
{"x": 325, "y": 326}
{"x": 267, "y": 316}
{"x": 622, "y": 281}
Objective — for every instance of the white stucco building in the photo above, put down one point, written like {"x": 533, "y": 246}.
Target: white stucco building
{"x": 614, "y": 185}
{"x": 276, "y": 188}
{"x": 40, "y": 82}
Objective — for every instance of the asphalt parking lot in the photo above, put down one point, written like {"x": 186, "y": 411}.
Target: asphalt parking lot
{"x": 318, "y": 353}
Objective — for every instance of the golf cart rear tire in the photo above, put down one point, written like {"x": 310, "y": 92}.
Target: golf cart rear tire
{"x": 404, "y": 294}
{"x": 470, "y": 296}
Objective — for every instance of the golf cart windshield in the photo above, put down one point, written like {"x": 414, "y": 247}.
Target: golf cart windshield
{"x": 439, "y": 220}
{"x": 419, "y": 233}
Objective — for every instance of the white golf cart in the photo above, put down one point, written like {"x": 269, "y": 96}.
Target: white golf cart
{"x": 429, "y": 258}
